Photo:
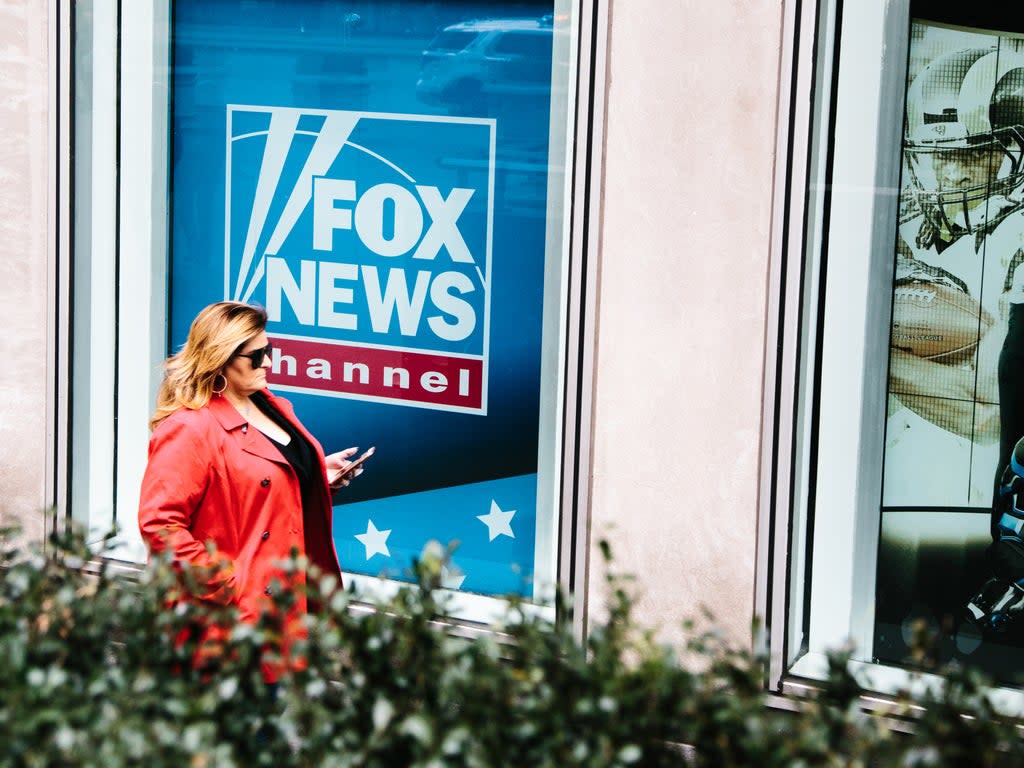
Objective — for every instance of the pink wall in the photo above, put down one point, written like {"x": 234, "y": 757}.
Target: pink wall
{"x": 690, "y": 134}
{"x": 25, "y": 223}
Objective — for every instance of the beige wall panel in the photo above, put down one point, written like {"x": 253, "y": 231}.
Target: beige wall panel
{"x": 685, "y": 239}
{"x": 24, "y": 223}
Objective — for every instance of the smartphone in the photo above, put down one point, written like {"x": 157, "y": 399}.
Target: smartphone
{"x": 354, "y": 465}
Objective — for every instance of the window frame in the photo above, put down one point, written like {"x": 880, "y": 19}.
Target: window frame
{"x": 821, "y": 405}
{"x": 113, "y": 360}
{"x": 825, "y": 383}
{"x": 117, "y": 435}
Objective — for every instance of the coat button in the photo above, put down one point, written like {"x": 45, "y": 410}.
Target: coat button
{"x": 265, "y": 482}
{"x": 266, "y": 591}
{"x": 266, "y": 535}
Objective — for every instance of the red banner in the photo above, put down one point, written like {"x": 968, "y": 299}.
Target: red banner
{"x": 429, "y": 378}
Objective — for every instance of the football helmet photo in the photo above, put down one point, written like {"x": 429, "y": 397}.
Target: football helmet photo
{"x": 964, "y": 139}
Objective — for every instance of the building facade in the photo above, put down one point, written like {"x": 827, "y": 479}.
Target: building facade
{"x": 663, "y": 274}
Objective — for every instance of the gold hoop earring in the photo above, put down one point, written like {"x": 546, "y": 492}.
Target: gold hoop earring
{"x": 221, "y": 390}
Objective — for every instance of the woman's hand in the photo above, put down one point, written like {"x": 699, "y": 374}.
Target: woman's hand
{"x": 338, "y": 463}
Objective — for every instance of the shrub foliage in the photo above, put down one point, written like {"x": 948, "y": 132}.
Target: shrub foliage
{"x": 94, "y": 672}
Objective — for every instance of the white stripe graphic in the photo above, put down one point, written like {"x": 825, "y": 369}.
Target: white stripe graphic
{"x": 336, "y": 129}
{"x": 279, "y": 140}
{"x": 257, "y": 275}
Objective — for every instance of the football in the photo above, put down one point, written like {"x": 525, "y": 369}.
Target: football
{"x": 936, "y": 321}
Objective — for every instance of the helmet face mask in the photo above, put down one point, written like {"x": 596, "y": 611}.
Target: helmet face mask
{"x": 964, "y": 140}
{"x": 953, "y": 180}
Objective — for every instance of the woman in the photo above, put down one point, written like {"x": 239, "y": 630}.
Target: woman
{"x": 230, "y": 464}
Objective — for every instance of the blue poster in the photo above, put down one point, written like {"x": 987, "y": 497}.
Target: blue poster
{"x": 375, "y": 175}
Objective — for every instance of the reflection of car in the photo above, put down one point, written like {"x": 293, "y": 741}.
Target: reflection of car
{"x": 470, "y": 65}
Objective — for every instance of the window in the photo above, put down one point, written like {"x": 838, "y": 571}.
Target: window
{"x": 403, "y": 216}
{"x": 893, "y": 414}
{"x": 452, "y": 41}
{"x": 529, "y": 44}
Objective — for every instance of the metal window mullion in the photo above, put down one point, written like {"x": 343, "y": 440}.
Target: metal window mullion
{"x": 782, "y": 333}
{"x": 58, "y": 250}
{"x": 142, "y": 266}
{"x": 587, "y": 169}
{"x": 93, "y": 278}
{"x": 858, "y": 254}
{"x": 556, "y": 267}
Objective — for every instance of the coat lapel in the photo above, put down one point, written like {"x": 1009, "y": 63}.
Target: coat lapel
{"x": 252, "y": 440}
{"x": 258, "y": 444}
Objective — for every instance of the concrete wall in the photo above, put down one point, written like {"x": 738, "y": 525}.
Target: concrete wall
{"x": 687, "y": 196}
{"x": 25, "y": 224}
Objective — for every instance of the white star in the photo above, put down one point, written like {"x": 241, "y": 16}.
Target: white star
{"x": 452, "y": 578}
{"x": 497, "y": 522}
{"x": 374, "y": 540}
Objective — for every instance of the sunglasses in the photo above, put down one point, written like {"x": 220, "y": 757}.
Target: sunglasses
{"x": 257, "y": 356}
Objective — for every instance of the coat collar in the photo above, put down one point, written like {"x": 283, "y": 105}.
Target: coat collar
{"x": 226, "y": 414}
{"x": 230, "y": 418}
{"x": 254, "y": 441}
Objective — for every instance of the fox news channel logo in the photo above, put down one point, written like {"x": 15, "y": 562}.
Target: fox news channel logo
{"x": 367, "y": 237}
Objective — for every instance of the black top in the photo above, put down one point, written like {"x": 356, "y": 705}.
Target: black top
{"x": 302, "y": 456}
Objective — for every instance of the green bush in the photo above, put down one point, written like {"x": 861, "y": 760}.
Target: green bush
{"x": 93, "y": 673}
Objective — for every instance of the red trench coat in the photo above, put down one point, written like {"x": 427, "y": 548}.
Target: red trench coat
{"x": 212, "y": 477}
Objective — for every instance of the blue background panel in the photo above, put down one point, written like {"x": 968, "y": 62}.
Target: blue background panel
{"x": 483, "y": 70}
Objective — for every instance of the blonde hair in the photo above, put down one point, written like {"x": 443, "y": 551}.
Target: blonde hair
{"x": 216, "y": 335}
